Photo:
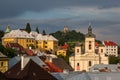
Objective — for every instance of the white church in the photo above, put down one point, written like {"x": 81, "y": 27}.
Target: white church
{"x": 85, "y": 58}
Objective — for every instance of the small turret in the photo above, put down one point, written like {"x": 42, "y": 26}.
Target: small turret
{"x": 7, "y": 29}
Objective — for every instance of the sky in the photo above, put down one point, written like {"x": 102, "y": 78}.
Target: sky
{"x": 53, "y": 15}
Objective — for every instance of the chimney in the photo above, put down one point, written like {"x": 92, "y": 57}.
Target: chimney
{"x": 50, "y": 59}
{"x": 22, "y": 59}
{"x": 66, "y": 71}
{"x": 30, "y": 47}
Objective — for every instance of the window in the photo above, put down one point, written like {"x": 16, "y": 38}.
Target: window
{"x": 1, "y": 64}
{"x": 101, "y": 50}
{"x": 89, "y": 42}
{"x": 27, "y": 40}
{"x": 89, "y": 63}
{"x": 77, "y": 50}
{"x": 36, "y": 46}
{"x": 77, "y": 64}
{"x": 45, "y": 42}
{"x": 89, "y": 46}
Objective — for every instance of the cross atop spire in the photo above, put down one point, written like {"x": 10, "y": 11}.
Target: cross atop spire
{"x": 89, "y": 29}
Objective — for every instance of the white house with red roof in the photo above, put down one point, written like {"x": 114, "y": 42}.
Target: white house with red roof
{"x": 111, "y": 48}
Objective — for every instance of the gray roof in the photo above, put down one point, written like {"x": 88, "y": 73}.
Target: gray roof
{"x": 87, "y": 76}
{"x": 45, "y": 37}
{"x": 16, "y": 59}
{"x": 112, "y": 67}
{"x": 61, "y": 64}
{"x": 18, "y": 34}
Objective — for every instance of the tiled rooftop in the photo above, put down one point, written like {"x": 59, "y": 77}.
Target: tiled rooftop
{"x": 45, "y": 37}
{"x": 109, "y": 43}
{"x": 18, "y": 34}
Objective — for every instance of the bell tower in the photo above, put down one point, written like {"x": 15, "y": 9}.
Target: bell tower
{"x": 89, "y": 41}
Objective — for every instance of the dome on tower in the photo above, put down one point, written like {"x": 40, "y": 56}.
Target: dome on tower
{"x": 90, "y": 34}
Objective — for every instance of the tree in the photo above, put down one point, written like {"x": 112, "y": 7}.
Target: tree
{"x": 28, "y": 28}
{"x": 11, "y": 52}
{"x": 37, "y": 30}
{"x": 1, "y": 35}
{"x": 43, "y": 33}
{"x": 114, "y": 59}
{"x": 7, "y": 51}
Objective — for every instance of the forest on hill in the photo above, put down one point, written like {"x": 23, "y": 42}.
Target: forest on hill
{"x": 70, "y": 36}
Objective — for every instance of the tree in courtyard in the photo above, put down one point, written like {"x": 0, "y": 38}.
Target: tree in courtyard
{"x": 28, "y": 28}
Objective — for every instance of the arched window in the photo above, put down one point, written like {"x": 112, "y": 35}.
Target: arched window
{"x": 77, "y": 50}
{"x": 89, "y": 63}
{"x": 78, "y": 66}
{"x": 90, "y": 46}
{"x": 101, "y": 50}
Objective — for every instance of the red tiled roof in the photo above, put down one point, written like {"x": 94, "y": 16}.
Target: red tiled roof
{"x": 96, "y": 44}
{"x": 110, "y": 43}
{"x": 16, "y": 46}
{"x": 29, "y": 52}
{"x": 20, "y": 48}
{"x": 65, "y": 46}
{"x": 53, "y": 67}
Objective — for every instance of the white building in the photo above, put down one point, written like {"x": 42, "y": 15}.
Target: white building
{"x": 111, "y": 48}
{"x": 85, "y": 59}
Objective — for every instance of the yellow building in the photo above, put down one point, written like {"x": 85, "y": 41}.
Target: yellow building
{"x": 46, "y": 42}
{"x": 19, "y": 36}
{"x": 85, "y": 59}
{"x": 3, "y": 63}
{"x": 61, "y": 52}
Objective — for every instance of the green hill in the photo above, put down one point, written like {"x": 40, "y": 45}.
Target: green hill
{"x": 70, "y": 36}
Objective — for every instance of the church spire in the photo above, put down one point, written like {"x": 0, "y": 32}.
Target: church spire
{"x": 90, "y": 29}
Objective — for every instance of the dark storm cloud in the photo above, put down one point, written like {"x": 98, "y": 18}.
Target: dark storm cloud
{"x": 13, "y": 8}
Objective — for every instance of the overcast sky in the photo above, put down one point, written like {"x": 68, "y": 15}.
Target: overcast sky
{"x": 53, "y": 15}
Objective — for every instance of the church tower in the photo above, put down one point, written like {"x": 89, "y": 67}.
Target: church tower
{"x": 89, "y": 41}
{"x": 78, "y": 50}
